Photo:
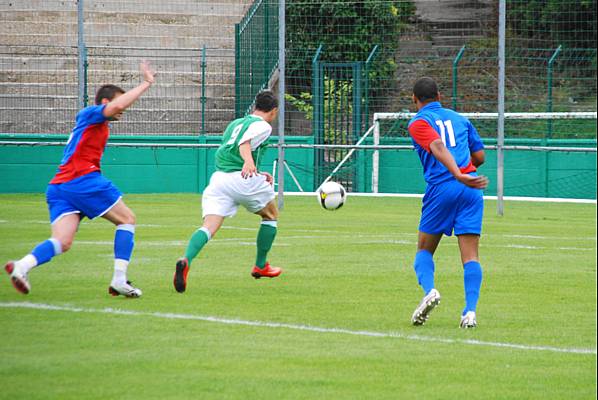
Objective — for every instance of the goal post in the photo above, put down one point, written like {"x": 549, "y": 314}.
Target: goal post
{"x": 476, "y": 116}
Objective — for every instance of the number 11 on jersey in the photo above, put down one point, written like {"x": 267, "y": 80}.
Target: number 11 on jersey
{"x": 447, "y": 127}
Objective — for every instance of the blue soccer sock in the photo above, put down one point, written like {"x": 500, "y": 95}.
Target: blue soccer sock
{"x": 123, "y": 248}
{"x": 424, "y": 269}
{"x": 124, "y": 241}
{"x": 472, "y": 281}
{"x": 42, "y": 253}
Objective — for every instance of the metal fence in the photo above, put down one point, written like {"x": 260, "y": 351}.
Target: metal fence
{"x": 550, "y": 56}
{"x": 38, "y": 89}
{"x": 256, "y": 52}
{"x": 46, "y": 64}
{"x": 194, "y": 93}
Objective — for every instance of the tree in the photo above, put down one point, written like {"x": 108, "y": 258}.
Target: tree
{"x": 348, "y": 31}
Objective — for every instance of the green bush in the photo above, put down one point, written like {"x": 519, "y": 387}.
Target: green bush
{"x": 348, "y": 31}
{"x": 571, "y": 23}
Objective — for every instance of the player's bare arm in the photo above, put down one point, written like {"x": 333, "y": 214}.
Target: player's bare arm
{"x": 478, "y": 158}
{"x": 249, "y": 169}
{"x": 124, "y": 101}
{"x": 442, "y": 154}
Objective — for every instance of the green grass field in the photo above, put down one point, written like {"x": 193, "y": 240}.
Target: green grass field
{"x": 349, "y": 270}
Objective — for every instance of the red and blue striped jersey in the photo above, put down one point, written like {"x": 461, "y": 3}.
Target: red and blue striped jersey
{"x": 434, "y": 122}
{"x": 85, "y": 147}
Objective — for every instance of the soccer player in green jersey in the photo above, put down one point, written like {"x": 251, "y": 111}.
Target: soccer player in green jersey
{"x": 235, "y": 182}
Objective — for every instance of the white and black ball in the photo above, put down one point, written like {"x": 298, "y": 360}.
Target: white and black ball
{"x": 331, "y": 195}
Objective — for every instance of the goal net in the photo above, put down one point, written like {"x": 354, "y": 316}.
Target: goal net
{"x": 545, "y": 154}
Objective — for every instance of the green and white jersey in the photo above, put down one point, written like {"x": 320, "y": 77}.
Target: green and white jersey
{"x": 250, "y": 128}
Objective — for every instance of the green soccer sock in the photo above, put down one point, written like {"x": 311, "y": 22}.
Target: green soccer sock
{"x": 265, "y": 238}
{"x": 196, "y": 243}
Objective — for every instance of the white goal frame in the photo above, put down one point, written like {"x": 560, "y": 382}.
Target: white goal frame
{"x": 477, "y": 116}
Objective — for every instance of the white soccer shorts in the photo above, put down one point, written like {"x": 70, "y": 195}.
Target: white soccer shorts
{"x": 228, "y": 190}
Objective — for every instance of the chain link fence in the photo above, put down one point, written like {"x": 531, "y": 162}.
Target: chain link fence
{"x": 191, "y": 45}
{"x": 551, "y": 57}
{"x": 345, "y": 61}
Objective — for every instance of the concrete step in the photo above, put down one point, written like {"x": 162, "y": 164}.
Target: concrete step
{"x": 134, "y": 114}
{"x": 171, "y": 103}
{"x": 68, "y": 88}
{"x": 458, "y": 32}
{"x": 108, "y": 29}
{"x": 120, "y": 18}
{"x": 145, "y": 7}
{"x": 116, "y": 77}
{"x": 447, "y": 51}
{"x": 119, "y": 54}
{"x": 414, "y": 45}
{"x": 438, "y": 52}
{"x": 100, "y": 67}
{"x": 192, "y": 127}
{"x": 453, "y": 40}
{"x": 119, "y": 41}
{"x": 454, "y": 10}
{"x": 182, "y": 65}
{"x": 453, "y": 25}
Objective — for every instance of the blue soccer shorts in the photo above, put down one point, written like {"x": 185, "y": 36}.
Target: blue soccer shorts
{"x": 90, "y": 195}
{"x": 449, "y": 206}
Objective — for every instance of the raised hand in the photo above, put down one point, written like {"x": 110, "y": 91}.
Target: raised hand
{"x": 149, "y": 75}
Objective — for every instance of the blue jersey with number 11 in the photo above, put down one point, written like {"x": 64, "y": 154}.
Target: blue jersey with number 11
{"x": 434, "y": 122}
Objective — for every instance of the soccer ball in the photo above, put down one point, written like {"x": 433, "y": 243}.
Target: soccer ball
{"x": 331, "y": 195}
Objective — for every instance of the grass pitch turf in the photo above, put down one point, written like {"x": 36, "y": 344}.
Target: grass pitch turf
{"x": 350, "y": 269}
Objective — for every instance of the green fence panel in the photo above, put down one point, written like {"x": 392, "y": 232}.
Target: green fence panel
{"x": 28, "y": 169}
{"x": 256, "y": 53}
{"x": 171, "y": 170}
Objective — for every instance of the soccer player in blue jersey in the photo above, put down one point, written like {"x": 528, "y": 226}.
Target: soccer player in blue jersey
{"x": 79, "y": 190}
{"x": 450, "y": 150}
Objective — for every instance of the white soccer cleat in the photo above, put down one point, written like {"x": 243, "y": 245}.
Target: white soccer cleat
{"x": 124, "y": 289}
{"x": 468, "y": 320}
{"x": 17, "y": 278}
{"x": 423, "y": 310}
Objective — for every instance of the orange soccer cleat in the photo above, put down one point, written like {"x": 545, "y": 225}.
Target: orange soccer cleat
{"x": 180, "y": 275}
{"x": 266, "y": 272}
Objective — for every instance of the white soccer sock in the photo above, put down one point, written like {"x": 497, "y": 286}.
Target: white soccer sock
{"x": 26, "y": 263}
{"x": 120, "y": 271}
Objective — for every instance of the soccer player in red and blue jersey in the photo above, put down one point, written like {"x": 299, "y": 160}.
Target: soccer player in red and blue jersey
{"x": 80, "y": 190}
{"x": 450, "y": 150}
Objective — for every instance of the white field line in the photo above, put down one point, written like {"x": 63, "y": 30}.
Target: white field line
{"x": 174, "y": 243}
{"x": 390, "y": 241}
{"x": 592, "y": 238}
{"x": 528, "y": 247}
{"x": 415, "y": 195}
{"x": 281, "y": 242}
{"x": 299, "y": 327}
{"x": 335, "y": 232}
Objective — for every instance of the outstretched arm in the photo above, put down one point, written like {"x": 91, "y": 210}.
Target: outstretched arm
{"x": 123, "y": 102}
{"x": 442, "y": 154}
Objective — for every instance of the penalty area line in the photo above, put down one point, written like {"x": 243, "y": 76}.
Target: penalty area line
{"x": 309, "y": 328}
